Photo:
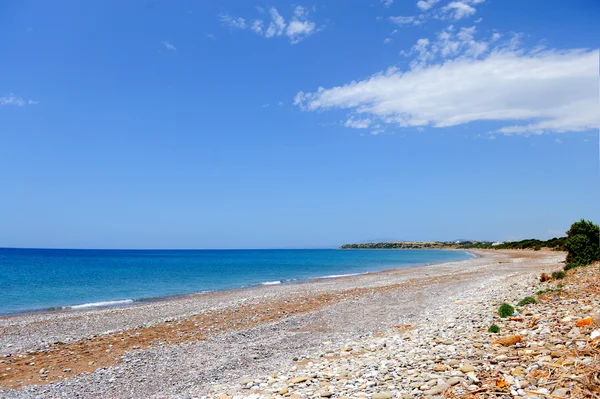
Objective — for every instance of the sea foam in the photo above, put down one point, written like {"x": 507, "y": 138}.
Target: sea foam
{"x": 99, "y": 304}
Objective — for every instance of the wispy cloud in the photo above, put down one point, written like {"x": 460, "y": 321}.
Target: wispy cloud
{"x": 15, "y": 100}
{"x": 411, "y": 20}
{"x": 387, "y": 3}
{"x": 460, "y": 9}
{"x": 358, "y": 123}
{"x": 235, "y": 23}
{"x": 298, "y": 28}
{"x": 456, "y": 10}
{"x": 168, "y": 46}
{"x": 455, "y": 79}
{"x": 425, "y": 5}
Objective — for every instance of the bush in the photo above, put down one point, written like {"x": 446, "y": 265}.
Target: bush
{"x": 526, "y": 301}
{"x": 570, "y": 266}
{"x": 506, "y": 310}
{"x": 558, "y": 275}
{"x": 494, "y": 329}
{"x": 583, "y": 243}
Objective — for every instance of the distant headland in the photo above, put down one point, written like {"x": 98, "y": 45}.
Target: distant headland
{"x": 556, "y": 244}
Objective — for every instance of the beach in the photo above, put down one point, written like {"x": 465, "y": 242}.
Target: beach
{"x": 205, "y": 344}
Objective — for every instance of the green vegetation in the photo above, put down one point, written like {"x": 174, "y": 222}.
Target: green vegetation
{"x": 558, "y": 275}
{"x": 558, "y": 288}
{"x": 526, "y": 301}
{"x": 583, "y": 244}
{"x": 506, "y": 310}
{"x": 570, "y": 266}
{"x": 556, "y": 244}
{"x": 494, "y": 329}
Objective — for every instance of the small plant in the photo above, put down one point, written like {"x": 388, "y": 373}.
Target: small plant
{"x": 558, "y": 288}
{"x": 570, "y": 266}
{"x": 494, "y": 329}
{"x": 526, "y": 301}
{"x": 506, "y": 310}
{"x": 559, "y": 275}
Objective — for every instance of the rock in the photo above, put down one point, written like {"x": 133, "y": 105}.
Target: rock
{"x": 574, "y": 333}
{"x": 246, "y": 381}
{"x": 562, "y": 392}
{"x": 595, "y": 334}
{"x": 472, "y": 376}
{"x": 283, "y": 391}
{"x": 508, "y": 341}
{"x": 325, "y": 394}
{"x": 453, "y": 381}
{"x": 298, "y": 380}
{"x": 381, "y": 395}
{"x": 467, "y": 368}
{"x": 434, "y": 391}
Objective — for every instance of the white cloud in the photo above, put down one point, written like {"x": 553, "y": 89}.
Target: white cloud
{"x": 460, "y": 9}
{"x": 168, "y": 46}
{"x": 358, "y": 123}
{"x": 277, "y": 24}
{"x": 387, "y": 3}
{"x": 257, "y": 26}
{"x": 530, "y": 93}
{"x": 11, "y": 99}
{"x": 425, "y": 5}
{"x": 298, "y": 28}
{"x": 387, "y": 40}
{"x": 399, "y": 20}
{"x": 235, "y": 23}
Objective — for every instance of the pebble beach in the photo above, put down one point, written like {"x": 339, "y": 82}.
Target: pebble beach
{"x": 403, "y": 333}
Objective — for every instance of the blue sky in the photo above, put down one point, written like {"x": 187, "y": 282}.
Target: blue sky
{"x": 240, "y": 124}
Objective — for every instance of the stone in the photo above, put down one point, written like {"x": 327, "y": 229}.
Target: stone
{"x": 246, "y": 381}
{"x": 298, "y": 380}
{"x": 561, "y": 392}
{"x": 325, "y": 394}
{"x": 467, "y": 368}
{"x": 382, "y": 395}
{"x": 453, "y": 381}
{"x": 574, "y": 333}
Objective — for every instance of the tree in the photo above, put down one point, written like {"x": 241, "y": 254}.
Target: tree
{"x": 583, "y": 243}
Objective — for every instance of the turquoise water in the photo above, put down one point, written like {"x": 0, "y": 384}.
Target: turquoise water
{"x": 37, "y": 279}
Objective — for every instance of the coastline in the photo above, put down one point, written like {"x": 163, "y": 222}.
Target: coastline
{"x": 126, "y": 302}
{"x": 313, "y": 312}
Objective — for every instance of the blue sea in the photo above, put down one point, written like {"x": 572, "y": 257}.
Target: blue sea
{"x": 42, "y": 279}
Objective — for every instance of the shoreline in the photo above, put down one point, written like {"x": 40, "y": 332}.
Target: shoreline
{"x": 232, "y": 330}
{"x": 130, "y": 302}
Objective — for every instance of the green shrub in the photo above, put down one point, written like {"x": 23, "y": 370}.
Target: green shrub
{"x": 583, "y": 243}
{"x": 494, "y": 329}
{"x": 506, "y": 310}
{"x": 570, "y": 266}
{"x": 526, "y": 301}
{"x": 558, "y": 275}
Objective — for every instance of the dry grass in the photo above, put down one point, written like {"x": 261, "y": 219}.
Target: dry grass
{"x": 582, "y": 380}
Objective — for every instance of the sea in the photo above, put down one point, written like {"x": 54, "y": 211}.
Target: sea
{"x": 34, "y": 280}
